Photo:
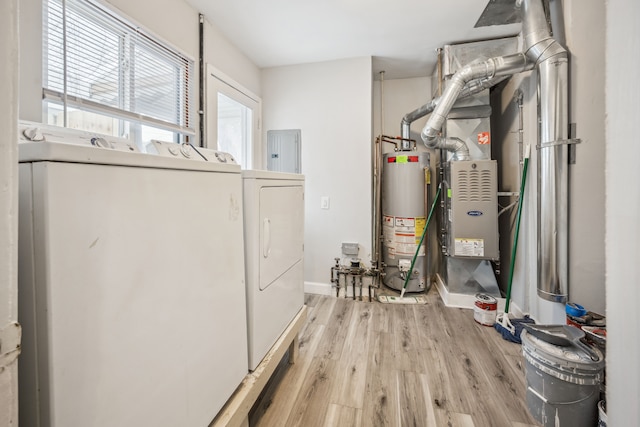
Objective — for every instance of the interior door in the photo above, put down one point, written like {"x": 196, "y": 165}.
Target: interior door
{"x": 233, "y": 119}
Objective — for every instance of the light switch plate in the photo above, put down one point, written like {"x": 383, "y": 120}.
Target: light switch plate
{"x": 324, "y": 202}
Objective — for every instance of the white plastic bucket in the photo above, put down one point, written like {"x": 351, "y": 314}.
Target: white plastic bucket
{"x": 563, "y": 383}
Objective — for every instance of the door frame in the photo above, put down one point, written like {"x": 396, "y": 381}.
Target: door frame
{"x": 219, "y": 82}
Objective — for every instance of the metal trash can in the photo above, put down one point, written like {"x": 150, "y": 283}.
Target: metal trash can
{"x": 563, "y": 383}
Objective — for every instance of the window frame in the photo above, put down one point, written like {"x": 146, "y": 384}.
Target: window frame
{"x": 130, "y": 122}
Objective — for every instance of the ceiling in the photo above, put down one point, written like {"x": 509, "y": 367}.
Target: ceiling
{"x": 401, "y": 35}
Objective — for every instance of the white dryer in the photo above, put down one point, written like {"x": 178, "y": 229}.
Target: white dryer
{"x": 131, "y": 271}
{"x": 274, "y": 252}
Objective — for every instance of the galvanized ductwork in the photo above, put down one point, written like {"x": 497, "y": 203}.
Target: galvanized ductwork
{"x": 550, "y": 58}
{"x": 491, "y": 68}
{"x": 458, "y": 146}
{"x": 553, "y": 175}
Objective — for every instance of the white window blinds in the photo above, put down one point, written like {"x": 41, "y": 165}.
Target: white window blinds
{"x": 96, "y": 61}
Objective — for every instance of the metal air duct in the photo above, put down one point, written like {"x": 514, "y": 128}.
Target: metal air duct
{"x": 493, "y": 67}
{"x": 553, "y": 175}
{"x": 456, "y": 145}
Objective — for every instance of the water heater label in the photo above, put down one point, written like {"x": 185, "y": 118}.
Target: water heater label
{"x": 420, "y": 223}
{"x": 405, "y": 222}
{"x": 484, "y": 138}
{"x": 402, "y": 235}
{"x": 469, "y": 247}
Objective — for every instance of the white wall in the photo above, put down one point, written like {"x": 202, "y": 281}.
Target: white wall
{"x": 622, "y": 212}
{"x": 401, "y": 96}
{"x": 8, "y": 201}
{"x": 331, "y": 103}
{"x": 585, "y": 36}
{"x": 223, "y": 55}
{"x": 173, "y": 21}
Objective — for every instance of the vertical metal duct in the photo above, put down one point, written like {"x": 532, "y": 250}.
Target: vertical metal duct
{"x": 553, "y": 178}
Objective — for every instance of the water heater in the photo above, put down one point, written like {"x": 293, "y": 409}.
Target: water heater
{"x": 405, "y": 175}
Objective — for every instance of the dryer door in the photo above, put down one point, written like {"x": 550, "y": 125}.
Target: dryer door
{"x": 281, "y": 231}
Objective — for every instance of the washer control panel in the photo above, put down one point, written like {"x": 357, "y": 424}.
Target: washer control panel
{"x": 38, "y": 132}
{"x": 188, "y": 151}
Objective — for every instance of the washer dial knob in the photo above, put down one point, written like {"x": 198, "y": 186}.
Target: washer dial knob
{"x": 101, "y": 142}
{"x": 185, "y": 149}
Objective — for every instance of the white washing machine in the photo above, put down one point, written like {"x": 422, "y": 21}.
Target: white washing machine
{"x": 131, "y": 281}
{"x": 274, "y": 252}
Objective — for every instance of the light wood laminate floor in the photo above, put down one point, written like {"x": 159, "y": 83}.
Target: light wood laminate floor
{"x": 371, "y": 364}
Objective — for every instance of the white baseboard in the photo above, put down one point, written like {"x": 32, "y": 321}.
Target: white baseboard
{"x": 468, "y": 301}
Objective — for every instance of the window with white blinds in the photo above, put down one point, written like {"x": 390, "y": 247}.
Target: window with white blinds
{"x": 100, "y": 73}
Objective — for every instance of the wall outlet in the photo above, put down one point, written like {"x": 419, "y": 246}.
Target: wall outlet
{"x": 324, "y": 202}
